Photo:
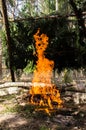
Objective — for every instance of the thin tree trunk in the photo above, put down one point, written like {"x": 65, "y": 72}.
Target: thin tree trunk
{"x": 8, "y": 37}
{"x": 81, "y": 21}
{"x": 56, "y": 5}
{"x": 0, "y": 62}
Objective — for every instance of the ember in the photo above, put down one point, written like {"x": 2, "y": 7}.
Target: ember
{"x": 43, "y": 93}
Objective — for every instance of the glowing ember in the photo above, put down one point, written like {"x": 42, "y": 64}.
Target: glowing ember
{"x": 43, "y": 92}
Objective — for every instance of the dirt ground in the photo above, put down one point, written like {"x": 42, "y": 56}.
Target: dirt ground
{"x": 16, "y": 114}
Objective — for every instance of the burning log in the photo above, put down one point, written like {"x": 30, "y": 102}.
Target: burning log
{"x": 48, "y": 96}
{"x": 26, "y": 85}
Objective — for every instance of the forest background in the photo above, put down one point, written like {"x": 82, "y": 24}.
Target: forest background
{"x": 63, "y": 21}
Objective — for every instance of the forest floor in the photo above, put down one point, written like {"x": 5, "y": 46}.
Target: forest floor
{"x": 16, "y": 114}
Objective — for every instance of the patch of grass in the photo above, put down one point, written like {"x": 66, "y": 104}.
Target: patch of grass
{"x": 57, "y": 128}
{"x": 44, "y": 128}
{"x": 7, "y": 97}
{"x": 10, "y": 109}
{"x": 26, "y": 111}
{"x": 18, "y": 108}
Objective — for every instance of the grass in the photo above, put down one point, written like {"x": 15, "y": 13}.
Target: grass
{"x": 44, "y": 128}
{"x": 9, "y": 109}
{"x": 7, "y": 97}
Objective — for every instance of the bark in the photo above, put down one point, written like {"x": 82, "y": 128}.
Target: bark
{"x": 8, "y": 37}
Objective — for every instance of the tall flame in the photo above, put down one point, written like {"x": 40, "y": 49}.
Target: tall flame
{"x": 43, "y": 92}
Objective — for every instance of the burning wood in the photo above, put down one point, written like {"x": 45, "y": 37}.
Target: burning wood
{"x": 45, "y": 96}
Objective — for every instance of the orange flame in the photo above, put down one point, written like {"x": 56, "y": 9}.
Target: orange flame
{"x": 43, "y": 92}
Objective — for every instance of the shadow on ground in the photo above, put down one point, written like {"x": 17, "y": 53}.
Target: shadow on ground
{"x": 15, "y": 115}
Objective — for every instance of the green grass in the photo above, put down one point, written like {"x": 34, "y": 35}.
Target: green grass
{"x": 44, "y": 128}
{"x": 9, "y": 109}
{"x": 7, "y": 97}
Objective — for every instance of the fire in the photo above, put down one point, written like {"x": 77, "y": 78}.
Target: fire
{"x": 43, "y": 92}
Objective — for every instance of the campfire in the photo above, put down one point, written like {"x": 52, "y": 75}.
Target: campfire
{"x": 43, "y": 93}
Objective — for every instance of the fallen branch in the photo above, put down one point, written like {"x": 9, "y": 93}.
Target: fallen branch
{"x": 23, "y": 84}
{"x": 75, "y": 90}
{"x": 28, "y": 85}
{"x": 15, "y": 84}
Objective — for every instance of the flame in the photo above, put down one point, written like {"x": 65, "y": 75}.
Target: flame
{"x": 43, "y": 92}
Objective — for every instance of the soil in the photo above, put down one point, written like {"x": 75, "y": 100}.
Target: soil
{"x": 16, "y": 114}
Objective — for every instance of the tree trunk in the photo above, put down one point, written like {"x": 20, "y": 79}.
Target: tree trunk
{"x": 8, "y": 37}
{"x": 56, "y": 5}
{"x": 81, "y": 21}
